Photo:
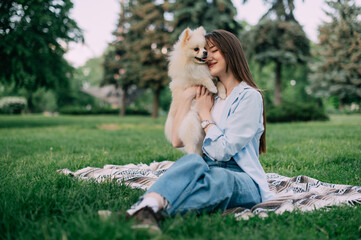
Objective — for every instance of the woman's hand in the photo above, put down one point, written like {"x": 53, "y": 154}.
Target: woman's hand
{"x": 205, "y": 103}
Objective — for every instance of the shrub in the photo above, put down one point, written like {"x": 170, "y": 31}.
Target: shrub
{"x": 80, "y": 110}
{"x": 292, "y": 112}
{"x": 44, "y": 100}
{"x": 137, "y": 111}
{"x": 12, "y": 105}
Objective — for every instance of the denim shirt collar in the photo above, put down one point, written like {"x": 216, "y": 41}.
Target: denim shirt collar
{"x": 240, "y": 87}
{"x": 232, "y": 98}
{"x": 237, "y": 89}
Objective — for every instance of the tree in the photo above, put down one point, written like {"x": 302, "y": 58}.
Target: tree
{"x": 225, "y": 13}
{"x": 279, "y": 38}
{"x": 88, "y": 75}
{"x": 116, "y": 61}
{"x": 214, "y": 14}
{"x": 34, "y": 35}
{"x": 187, "y": 13}
{"x": 338, "y": 71}
{"x": 91, "y": 73}
{"x": 280, "y": 9}
{"x": 147, "y": 46}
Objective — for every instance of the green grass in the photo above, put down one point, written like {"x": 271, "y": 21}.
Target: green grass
{"x": 38, "y": 203}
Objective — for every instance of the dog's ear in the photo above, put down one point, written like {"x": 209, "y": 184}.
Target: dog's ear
{"x": 201, "y": 29}
{"x": 185, "y": 36}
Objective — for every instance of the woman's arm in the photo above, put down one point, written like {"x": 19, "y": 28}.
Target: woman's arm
{"x": 188, "y": 96}
{"x": 205, "y": 101}
{"x": 243, "y": 123}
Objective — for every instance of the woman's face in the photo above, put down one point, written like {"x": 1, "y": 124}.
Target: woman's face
{"x": 215, "y": 60}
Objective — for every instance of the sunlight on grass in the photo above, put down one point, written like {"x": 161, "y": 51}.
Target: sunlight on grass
{"x": 38, "y": 203}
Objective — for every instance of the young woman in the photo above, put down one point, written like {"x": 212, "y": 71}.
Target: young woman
{"x": 229, "y": 174}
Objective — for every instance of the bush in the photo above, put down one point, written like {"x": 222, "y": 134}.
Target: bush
{"x": 44, "y": 100}
{"x": 12, "y": 105}
{"x": 80, "y": 110}
{"x": 292, "y": 112}
{"x": 137, "y": 111}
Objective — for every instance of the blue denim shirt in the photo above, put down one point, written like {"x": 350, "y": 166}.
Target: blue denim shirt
{"x": 238, "y": 134}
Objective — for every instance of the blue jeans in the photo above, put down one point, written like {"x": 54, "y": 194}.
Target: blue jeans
{"x": 201, "y": 185}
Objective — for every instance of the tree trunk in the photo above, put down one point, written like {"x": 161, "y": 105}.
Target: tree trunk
{"x": 278, "y": 72}
{"x": 156, "y": 103}
{"x": 123, "y": 102}
{"x": 340, "y": 106}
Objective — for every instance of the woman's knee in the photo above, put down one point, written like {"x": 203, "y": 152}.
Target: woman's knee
{"x": 219, "y": 172}
{"x": 191, "y": 162}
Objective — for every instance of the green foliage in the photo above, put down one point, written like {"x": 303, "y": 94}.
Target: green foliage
{"x": 12, "y": 105}
{"x": 33, "y": 38}
{"x": 44, "y": 100}
{"x": 188, "y": 13}
{"x": 138, "y": 55}
{"x": 10, "y": 89}
{"x": 278, "y": 38}
{"x": 137, "y": 111}
{"x": 280, "y": 41}
{"x": 115, "y": 60}
{"x": 144, "y": 101}
{"x": 280, "y": 10}
{"x": 295, "y": 84}
{"x": 165, "y": 99}
{"x": 30, "y": 48}
{"x": 337, "y": 73}
{"x": 91, "y": 73}
{"x": 88, "y": 75}
{"x": 332, "y": 106}
{"x": 295, "y": 111}
{"x": 36, "y": 202}
{"x": 75, "y": 95}
{"x": 80, "y": 110}
{"x": 195, "y": 13}
{"x": 113, "y": 64}
{"x": 278, "y": 21}
{"x": 147, "y": 46}
{"x": 295, "y": 81}
{"x": 151, "y": 44}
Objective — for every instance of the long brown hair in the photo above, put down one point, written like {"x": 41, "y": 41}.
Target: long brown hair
{"x": 232, "y": 51}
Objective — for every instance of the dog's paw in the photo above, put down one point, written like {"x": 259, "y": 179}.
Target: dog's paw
{"x": 222, "y": 94}
{"x": 213, "y": 89}
{"x": 221, "y": 90}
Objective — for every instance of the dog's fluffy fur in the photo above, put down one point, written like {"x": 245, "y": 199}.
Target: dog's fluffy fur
{"x": 187, "y": 68}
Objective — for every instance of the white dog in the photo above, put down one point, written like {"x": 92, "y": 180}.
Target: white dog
{"x": 187, "y": 67}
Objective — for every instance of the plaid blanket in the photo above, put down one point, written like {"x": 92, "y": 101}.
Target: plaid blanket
{"x": 291, "y": 193}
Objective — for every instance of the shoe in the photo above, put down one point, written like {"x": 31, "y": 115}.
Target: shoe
{"x": 145, "y": 218}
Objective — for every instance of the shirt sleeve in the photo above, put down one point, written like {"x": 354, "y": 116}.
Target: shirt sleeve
{"x": 244, "y": 121}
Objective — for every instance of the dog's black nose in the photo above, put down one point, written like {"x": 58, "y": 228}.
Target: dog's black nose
{"x": 205, "y": 54}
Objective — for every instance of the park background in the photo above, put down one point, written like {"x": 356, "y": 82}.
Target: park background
{"x": 131, "y": 74}
{"x": 111, "y": 109}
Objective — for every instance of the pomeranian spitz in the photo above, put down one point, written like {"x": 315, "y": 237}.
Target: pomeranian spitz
{"x": 187, "y": 67}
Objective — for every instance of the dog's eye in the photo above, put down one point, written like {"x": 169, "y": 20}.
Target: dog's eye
{"x": 196, "y": 49}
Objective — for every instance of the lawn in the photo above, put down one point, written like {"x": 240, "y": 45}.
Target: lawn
{"x": 38, "y": 203}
